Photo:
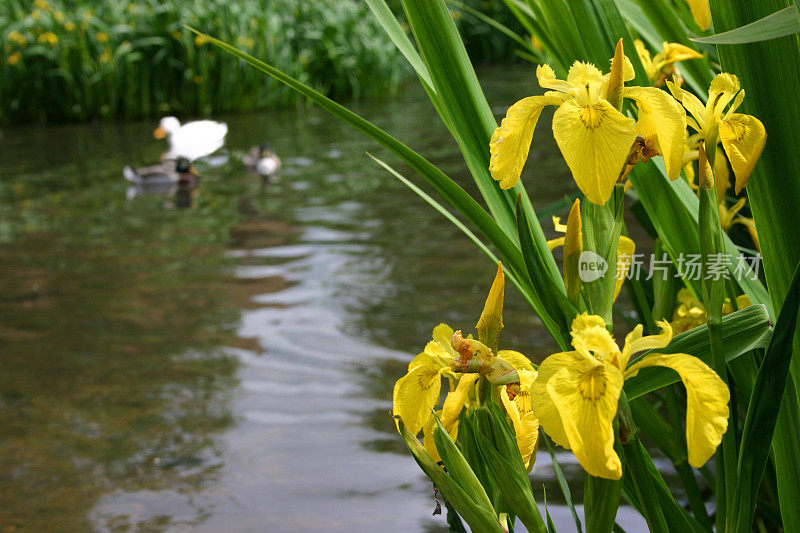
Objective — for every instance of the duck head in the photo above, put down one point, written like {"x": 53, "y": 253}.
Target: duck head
{"x": 266, "y": 150}
{"x": 166, "y": 127}
{"x": 187, "y": 175}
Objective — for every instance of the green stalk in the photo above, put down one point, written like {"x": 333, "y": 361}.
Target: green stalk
{"x": 713, "y": 296}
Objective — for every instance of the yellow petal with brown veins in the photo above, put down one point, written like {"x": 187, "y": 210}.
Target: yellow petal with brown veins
{"x": 743, "y": 138}
{"x": 595, "y": 141}
{"x": 511, "y": 141}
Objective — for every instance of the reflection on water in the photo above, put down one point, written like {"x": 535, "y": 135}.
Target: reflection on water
{"x": 229, "y": 367}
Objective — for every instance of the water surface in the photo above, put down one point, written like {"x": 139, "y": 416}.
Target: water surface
{"x": 229, "y": 367}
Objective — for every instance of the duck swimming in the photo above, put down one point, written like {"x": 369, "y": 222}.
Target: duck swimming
{"x": 262, "y": 160}
{"x": 192, "y": 140}
{"x": 164, "y": 174}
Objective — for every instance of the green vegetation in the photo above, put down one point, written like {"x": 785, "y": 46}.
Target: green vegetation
{"x": 134, "y": 59}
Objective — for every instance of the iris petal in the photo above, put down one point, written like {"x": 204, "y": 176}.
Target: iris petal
{"x": 662, "y": 122}
{"x": 743, "y": 138}
{"x": 511, "y": 141}
{"x": 707, "y": 399}
{"x": 576, "y": 398}
{"x": 595, "y": 141}
{"x": 415, "y": 394}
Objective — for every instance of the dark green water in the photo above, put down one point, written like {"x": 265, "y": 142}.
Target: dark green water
{"x": 229, "y": 367}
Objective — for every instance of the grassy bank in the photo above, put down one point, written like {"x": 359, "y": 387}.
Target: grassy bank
{"x": 118, "y": 59}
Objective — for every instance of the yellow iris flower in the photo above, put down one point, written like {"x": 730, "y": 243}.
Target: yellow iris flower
{"x": 691, "y": 312}
{"x": 576, "y": 394}
{"x": 742, "y": 136}
{"x": 662, "y": 66}
{"x": 463, "y": 361}
{"x": 595, "y": 139}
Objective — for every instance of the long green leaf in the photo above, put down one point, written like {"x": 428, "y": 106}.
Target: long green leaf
{"x": 762, "y": 415}
{"x": 780, "y": 24}
{"x": 774, "y": 194}
{"x": 505, "y": 30}
{"x": 562, "y": 482}
{"x": 478, "y": 518}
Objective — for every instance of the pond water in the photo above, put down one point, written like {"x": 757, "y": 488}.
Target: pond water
{"x": 229, "y": 367}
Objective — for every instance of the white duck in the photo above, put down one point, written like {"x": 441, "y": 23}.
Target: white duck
{"x": 193, "y": 140}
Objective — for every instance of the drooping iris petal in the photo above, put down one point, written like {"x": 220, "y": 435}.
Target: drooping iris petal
{"x": 427, "y": 436}
{"x": 743, "y": 138}
{"x": 511, "y": 141}
{"x": 662, "y": 123}
{"x": 701, "y": 12}
{"x": 707, "y": 399}
{"x": 526, "y": 428}
{"x": 575, "y": 398}
{"x": 415, "y": 394}
{"x": 595, "y": 141}
{"x": 454, "y": 402}
{"x": 516, "y": 359}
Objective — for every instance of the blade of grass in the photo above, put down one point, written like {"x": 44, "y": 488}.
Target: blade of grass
{"x": 762, "y": 415}
{"x": 779, "y": 24}
{"x": 774, "y": 195}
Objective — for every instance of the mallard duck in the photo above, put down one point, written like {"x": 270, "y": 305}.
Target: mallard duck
{"x": 167, "y": 173}
{"x": 262, "y": 160}
{"x": 193, "y": 140}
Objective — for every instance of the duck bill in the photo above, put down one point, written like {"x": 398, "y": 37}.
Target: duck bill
{"x": 160, "y": 133}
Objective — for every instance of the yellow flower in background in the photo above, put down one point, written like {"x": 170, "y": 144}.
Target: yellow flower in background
{"x": 14, "y": 58}
{"x": 16, "y": 37}
{"x": 105, "y": 57}
{"x": 595, "y": 139}
{"x": 41, "y": 4}
{"x": 576, "y": 394}
{"x": 48, "y": 37}
{"x": 59, "y": 16}
{"x": 69, "y": 26}
{"x": 701, "y": 12}
{"x": 728, "y": 218}
{"x": 662, "y": 65}
{"x": 691, "y": 312}
{"x": 742, "y": 136}
{"x": 200, "y": 40}
{"x": 102, "y": 37}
